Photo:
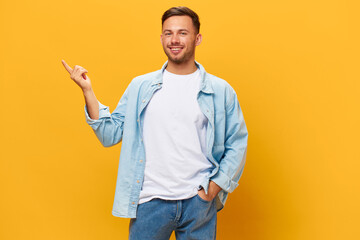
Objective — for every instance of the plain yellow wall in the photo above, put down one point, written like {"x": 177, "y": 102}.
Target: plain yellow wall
{"x": 295, "y": 67}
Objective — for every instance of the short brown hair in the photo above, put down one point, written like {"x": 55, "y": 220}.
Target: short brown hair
{"x": 182, "y": 11}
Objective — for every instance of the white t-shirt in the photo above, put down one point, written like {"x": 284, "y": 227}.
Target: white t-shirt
{"x": 174, "y": 136}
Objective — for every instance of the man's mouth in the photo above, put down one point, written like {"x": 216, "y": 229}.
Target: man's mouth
{"x": 176, "y": 50}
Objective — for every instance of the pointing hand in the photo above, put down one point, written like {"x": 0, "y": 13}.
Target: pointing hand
{"x": 78, "y": 75}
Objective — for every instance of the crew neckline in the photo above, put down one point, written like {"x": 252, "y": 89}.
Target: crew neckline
{"x": 182, "y": 75}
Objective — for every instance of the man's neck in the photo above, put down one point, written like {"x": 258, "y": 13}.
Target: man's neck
{"x": 181, "y": 69}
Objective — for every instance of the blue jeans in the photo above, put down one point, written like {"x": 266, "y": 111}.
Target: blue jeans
{"x": 192, "y": 218}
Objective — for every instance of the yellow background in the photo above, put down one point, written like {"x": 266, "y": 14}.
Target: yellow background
{"x": 293, "y": 64}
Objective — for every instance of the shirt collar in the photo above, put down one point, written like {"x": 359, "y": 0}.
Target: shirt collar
{"x": 205, "y": 84}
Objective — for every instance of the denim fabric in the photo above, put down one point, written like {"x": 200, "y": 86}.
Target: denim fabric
{"x": 192, "y": 218}
{"x": 226, "y": 139}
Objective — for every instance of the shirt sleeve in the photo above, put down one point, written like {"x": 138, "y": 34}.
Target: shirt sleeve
{"x": 232, "y": 164}
{"x": 109, "y": 127}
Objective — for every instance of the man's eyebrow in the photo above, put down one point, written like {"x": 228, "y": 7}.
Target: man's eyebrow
{"x": 168, "y": 30}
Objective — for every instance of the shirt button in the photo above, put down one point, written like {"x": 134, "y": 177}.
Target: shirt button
{"x": 140, "y": 139}
{"x": 137, "y": 181}
{"x": 137, "y": 120}
{"x": 133, "y": 203}
{"x": 141, "y": 160}
{"x": 143, "y": 100}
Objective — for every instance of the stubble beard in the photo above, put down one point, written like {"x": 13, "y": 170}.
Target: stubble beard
{"x": 186, "y": 56}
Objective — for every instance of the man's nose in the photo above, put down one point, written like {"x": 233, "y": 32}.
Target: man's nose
{"x": 175, "y": 39}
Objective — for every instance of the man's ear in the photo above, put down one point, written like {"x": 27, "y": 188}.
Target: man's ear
{"x": 198, "y": 39}
{"x": 161, "y": 39}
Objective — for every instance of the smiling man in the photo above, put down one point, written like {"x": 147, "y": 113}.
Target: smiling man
{"x": 183, "y": 136}
{"x": 179, "y": 38}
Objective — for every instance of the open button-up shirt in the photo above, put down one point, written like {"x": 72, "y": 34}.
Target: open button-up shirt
{"x": 226, "y": 138}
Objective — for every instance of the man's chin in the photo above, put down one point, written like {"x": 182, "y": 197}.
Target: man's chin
{"x": 176, "y": 60}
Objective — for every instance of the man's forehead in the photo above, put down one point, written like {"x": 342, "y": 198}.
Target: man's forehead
{"x": 178, "y": 23}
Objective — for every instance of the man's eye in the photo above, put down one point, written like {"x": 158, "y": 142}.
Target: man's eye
{"x": 167, "y": 34}
{"x": 183, "y": 33}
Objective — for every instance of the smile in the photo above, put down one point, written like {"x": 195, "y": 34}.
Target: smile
{"x": 175, "y": 50}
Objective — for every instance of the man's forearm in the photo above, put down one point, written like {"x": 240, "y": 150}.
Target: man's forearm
{"x": 214, "y": 189}
{"x": 92, "y": 104}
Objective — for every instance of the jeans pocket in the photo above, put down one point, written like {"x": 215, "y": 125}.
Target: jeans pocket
{"x": 202, "y": 200}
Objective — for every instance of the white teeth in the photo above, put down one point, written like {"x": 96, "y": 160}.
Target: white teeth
{"x": 175, "y": 49}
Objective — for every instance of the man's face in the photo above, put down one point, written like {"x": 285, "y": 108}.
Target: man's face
{"x": 179, "y": 39}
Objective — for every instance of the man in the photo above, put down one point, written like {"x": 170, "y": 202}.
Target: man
{"x": 183, "y": 136}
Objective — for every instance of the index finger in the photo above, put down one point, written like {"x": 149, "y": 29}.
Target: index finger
{"x": 67, "y": 67}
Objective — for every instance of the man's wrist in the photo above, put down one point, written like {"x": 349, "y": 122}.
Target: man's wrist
{"x": 87, "y": 91}
{"x": 214, "y": 189}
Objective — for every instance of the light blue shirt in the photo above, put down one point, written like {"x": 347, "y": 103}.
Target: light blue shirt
{"x": 226, "y": 138}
